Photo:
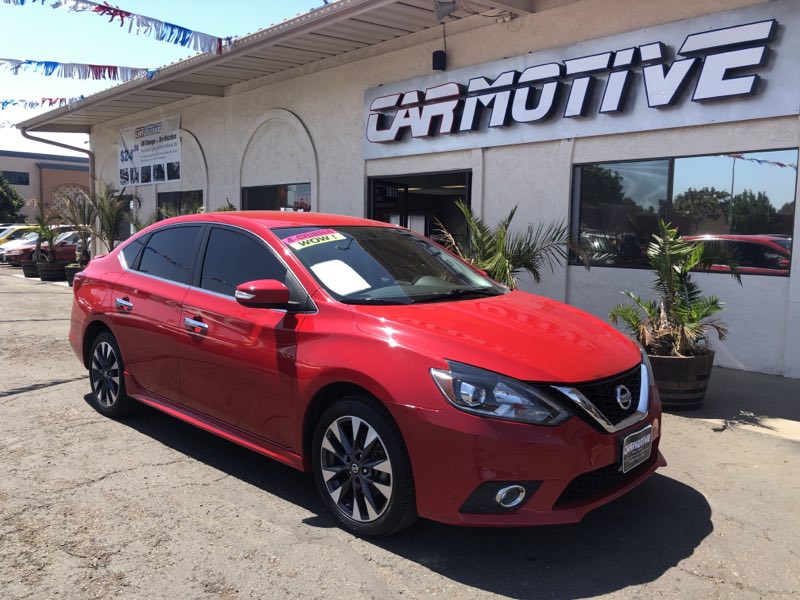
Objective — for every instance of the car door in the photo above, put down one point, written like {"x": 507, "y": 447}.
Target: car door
{"x": 237, "y": 363}
{"x": 146, "y": 303}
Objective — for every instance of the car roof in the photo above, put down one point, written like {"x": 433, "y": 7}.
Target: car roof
{"x": 273, "y": 219}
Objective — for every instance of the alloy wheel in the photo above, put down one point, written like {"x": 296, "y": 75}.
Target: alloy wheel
{"x": 105, "y": 375}
{"x": 356, "y": 469}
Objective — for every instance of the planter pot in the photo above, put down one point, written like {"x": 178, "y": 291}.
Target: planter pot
{"x": 70, "y": 272}
{"x": 51, "y": 271}
{"x": 682, "y": 381}
{"x": 29, "y": 268}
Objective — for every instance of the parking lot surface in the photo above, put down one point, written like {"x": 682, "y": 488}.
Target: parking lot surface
{"x": 152, "y": 507}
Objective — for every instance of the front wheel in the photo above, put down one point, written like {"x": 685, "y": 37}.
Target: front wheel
{"x": 362, "y": 469}
{"x": 106, "y": 377}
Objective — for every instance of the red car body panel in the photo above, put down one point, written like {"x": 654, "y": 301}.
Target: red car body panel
{"x": 64, "y": 253}
{"x": 254, "y": 377}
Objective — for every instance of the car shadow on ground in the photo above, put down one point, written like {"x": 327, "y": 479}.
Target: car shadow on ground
{"x": 631, "y": 541}
{"x": 748, "y": 398}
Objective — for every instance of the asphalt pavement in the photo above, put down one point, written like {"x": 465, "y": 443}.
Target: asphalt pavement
{"x": 151, "y": 507}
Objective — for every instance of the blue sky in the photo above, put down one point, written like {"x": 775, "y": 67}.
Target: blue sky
{"x": 39, "y": 32}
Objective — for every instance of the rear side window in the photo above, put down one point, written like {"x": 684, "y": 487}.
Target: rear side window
{"x": 170, "y": 253}
{"x": 233, "y": 258}
{"x": 131, "y": 251}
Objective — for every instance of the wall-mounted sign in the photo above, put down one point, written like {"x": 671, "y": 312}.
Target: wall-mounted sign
{"x": 693, "y": 72}
{"x": 150, "y": 153}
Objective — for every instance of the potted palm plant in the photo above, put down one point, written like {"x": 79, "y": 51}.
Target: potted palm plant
{"x": 78, "y": 210}
{"x": 674, "y": 329}
{"x": 112, "y": 208}
{"x": 47, "y": 264}
{"x": 502, "y": 254}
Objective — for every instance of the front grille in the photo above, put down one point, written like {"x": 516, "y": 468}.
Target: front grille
{"x": 603, "y": 394}
{"x": 600, "y": 482}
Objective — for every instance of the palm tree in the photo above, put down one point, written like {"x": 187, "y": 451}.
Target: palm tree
{"x": 112, "y": 208}
{"x": 679, "y": 322}
{"x": 78, "y": 210}
{"x": 503, "y": 255}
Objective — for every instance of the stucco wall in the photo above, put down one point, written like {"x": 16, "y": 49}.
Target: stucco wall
{"x": 311, "y": 127}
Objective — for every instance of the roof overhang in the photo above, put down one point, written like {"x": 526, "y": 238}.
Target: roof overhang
{"x": 329, "y": 31}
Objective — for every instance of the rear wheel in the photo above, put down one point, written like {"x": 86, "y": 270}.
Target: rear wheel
{"x": 362, "y": 469}
{"x": 107, "y": 379}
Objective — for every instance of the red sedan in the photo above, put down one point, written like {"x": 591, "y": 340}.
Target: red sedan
{"x": 406, "y": 381}
{"x": 65, "y": 249}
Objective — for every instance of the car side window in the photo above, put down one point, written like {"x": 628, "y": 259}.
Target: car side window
{"x": 170, "y": 253}
{"x": 132, "y": 250}
{"x": 233, "y": 258}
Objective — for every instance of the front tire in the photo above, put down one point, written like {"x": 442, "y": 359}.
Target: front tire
{"x": 107, "y": 379}
{"x": 362, "y": 469}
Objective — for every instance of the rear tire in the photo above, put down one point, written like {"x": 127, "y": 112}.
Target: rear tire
{"x": 107, "y": 378}
{"x": 362, "y": 470}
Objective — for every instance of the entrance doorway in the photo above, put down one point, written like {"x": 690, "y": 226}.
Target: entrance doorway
{"x": 420, "y": 202}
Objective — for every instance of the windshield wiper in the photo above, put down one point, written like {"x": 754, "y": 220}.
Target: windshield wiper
{"x": 375, "y": 300}
{"x": 457, "y": 293}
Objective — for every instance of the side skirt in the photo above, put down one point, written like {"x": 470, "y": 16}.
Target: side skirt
{"x": 225, "y": 431}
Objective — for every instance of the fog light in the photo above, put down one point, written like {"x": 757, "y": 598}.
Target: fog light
{"x": 511, "y": 496}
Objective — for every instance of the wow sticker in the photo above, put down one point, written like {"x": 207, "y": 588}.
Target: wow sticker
{"x": 312, "y": 238}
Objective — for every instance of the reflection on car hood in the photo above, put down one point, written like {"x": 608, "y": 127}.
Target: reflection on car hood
{"x": 14, "y": 244}
{"x": 518, "y": 334}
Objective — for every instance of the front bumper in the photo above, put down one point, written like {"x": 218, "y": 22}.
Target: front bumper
{"x": 452, "y": 453}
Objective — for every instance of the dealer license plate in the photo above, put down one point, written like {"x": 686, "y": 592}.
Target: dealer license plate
{"x": 636, "y": 448}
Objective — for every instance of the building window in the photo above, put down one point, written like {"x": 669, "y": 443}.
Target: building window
{"x": 171, "y": 204}
{"x": 424, "y": 202}
{"x": 17, "y": 177}
{"x": 743, "y": 199}
{"x": 289, "y": 197}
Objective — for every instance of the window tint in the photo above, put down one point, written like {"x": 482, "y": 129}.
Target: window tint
{"x": 170, "y": 204}
{"x": 293, "y": 196}
{"x": 233, "y": 258}
{"x": 131, "y": 251}
{"x": 170, "y": 254}
{"x": 742, "y": 197}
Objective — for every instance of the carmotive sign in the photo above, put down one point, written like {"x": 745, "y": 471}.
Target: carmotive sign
{"x": 693, "y": 72}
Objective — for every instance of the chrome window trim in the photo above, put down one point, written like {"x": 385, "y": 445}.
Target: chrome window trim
{"x": 641, "y": 409}
{"x": 124, "y": 264}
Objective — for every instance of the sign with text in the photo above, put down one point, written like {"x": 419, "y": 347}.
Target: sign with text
{"x": 150, "y": 153}
{"x": 706, "y": 70}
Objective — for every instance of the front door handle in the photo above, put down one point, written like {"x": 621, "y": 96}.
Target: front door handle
{"x": 195, "y": 326}
{"x": 123, "y": 304}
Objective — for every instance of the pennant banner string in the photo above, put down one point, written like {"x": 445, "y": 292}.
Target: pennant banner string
{"x": 75, "y": 70}
{"x": 154, "y": 28}
{"x": 761, "y": 161}
{"x": 39, "y": 103}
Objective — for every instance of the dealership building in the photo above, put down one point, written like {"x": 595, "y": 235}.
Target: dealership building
{"x": 603, "y": 114}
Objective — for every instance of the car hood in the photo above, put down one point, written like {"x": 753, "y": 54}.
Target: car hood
{"x": 14, "y": 244}
{"x": 521, "y": 335}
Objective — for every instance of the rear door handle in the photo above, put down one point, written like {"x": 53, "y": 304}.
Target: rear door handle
{"x": 123, "y": 304}
{"x": 194, "y": 325}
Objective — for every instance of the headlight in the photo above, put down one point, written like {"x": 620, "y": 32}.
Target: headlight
{"x": 489, "y": 394}
{"x": 647, "y": 366}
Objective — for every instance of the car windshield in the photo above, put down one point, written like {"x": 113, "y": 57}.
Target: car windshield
{"x": 32, "y": 236}
{"x": 384, "y": 265}
{"x": 68, "y": 236}
{"x": 785, "y": 243}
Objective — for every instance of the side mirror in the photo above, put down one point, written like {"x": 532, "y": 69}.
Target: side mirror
{"x": 263, "y": 293}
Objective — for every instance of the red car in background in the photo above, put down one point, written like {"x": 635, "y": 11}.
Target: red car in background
{"x": 754, "y": 254}
{"x": 66, "y": 244}
{"x": 403, "y": 379}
